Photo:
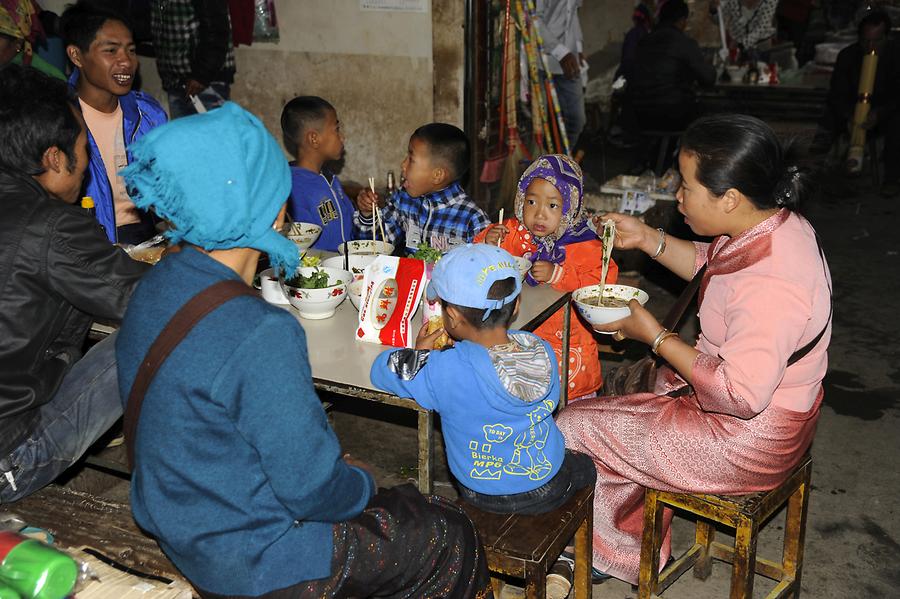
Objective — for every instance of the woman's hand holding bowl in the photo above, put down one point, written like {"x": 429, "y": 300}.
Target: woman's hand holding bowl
{"x": 641, "y": 325}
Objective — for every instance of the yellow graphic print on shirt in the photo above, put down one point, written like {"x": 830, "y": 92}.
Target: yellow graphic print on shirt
{"x": 528, "y": 458}
{"x": 327, "y": 210}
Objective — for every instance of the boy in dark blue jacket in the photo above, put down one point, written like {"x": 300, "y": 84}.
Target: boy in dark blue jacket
{"x": 312, "y": 134}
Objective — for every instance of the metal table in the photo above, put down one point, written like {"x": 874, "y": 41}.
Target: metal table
{"x": 341, "y": 364}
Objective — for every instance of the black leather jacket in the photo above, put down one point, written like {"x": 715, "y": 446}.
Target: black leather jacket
{"x": 57, "y": 272}
{"x": 667, "y": 64}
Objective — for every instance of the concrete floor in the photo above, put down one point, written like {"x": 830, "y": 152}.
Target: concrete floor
{"x": 853, "y": 532}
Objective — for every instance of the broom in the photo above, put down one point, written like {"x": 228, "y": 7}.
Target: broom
{"x": 540, "y": 131}
{"x": 559, "y": 130}
{"x": 492, "y": 168}
{"x": 515, "y": 148}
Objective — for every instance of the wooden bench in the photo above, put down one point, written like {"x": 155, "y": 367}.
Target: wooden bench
{"x": 747, "y": 514}
{"x": 525, "y": 547}
{"x": 79, "y": 519}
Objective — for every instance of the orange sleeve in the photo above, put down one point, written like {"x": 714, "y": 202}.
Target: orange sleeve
{"x": 582, "y": 266}
{"x": 511, "y": 243}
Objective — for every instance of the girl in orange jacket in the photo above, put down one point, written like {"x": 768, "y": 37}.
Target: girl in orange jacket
{"x": 550, "y": 230}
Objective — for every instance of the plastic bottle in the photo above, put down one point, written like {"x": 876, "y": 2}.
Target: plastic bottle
{"x": 8, "y": 593}
{"x": 391, "y": 185}
{"x": 87, "y": 202}
{"x": 35, "y": 570}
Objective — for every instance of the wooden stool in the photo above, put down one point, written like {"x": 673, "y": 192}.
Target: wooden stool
{"x": 526, "y": 546}
{"x": 746, "y": 514}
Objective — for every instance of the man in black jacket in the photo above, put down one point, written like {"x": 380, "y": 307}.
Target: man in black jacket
{"x": 884, "y": 115}
{"x": 668, "y": 64}
{"x": 57, "y": 273}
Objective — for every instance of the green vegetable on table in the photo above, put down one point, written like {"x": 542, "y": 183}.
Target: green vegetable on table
{"x": 317, "y": 280}
{"x": 310, "y": 260}
{"x": 427, "y": 253}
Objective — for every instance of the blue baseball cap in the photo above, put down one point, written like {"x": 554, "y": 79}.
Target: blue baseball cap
{"x": 464, "y": 275}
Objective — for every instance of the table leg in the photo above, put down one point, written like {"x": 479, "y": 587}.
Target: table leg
{"x": 426, "y": 450}
{"x": 564, "y": 374}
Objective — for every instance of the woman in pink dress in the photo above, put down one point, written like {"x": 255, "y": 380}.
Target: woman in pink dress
{"x": 755, "y": 373}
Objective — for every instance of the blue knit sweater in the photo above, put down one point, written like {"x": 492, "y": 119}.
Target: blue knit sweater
{"x": 237, "y": 473}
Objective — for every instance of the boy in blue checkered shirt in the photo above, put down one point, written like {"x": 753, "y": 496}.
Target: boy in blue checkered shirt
{"x": 431, "y": 207}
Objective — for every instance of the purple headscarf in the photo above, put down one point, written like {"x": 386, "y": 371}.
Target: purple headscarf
{"x": 565, "y": 175}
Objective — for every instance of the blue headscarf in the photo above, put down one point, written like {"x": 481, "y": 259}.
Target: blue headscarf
{"x": 219, "y": 178}
{"x": 565, "y": 175}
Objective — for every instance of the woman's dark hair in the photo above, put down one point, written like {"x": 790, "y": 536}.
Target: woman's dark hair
{"x": 736, "y": 151}
{"x": 501, "y": 317}
{"x": 80, "y": 22}
{"x": 36, "y": 113}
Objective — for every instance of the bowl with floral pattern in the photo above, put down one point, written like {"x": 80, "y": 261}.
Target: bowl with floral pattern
{"x": 316, "y": 291}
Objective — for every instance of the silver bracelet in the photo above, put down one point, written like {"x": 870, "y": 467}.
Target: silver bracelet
{"x": 662, "y": 245}
{"x": 663, "y": 335}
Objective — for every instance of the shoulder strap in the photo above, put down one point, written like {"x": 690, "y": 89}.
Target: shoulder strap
{"x": 168, "y": 339}
{"x": 676, "y": 312}
{"x": 800, "y": 353}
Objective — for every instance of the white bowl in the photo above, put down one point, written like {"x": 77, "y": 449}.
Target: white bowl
{"x": 367, "y": 246}
{"x": 356, "y": 262}
{"x": 271, "y": 289}
{"x": 302, "y": 234}
{"x": 354, "y": 290}
{"x": 595, "y": 315}
{"x": 318, "y": 303}
{"x": 524, "y": 265}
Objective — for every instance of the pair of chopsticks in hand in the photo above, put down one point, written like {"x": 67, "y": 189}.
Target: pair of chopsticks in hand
{"x": 376, "y": 213}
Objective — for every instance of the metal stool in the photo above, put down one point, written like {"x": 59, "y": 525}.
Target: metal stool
{"x": 746, "y": 514}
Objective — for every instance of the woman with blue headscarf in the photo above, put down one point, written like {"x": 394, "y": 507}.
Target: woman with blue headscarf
{"x": 236, "y": 471}
{"x": 550, "y": 230}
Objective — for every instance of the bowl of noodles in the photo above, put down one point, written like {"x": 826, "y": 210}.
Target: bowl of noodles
{"x": 366, "y": 246}
{"x": 601, "y": 306}
{"x": 302, "y": 234}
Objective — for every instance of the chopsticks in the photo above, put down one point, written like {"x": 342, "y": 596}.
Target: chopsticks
{"x": 609, "y": 239}
{"x": 376, "y": 214}
{"x": 500, "y": 222}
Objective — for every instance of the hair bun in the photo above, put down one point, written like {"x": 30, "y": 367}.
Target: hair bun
{"x": 787, "y": 185}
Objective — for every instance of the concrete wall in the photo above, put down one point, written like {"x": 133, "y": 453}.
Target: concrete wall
{"x": 374, "y": 67}
{"x": 604, "y": 22}
{"x": 449, "y": 52}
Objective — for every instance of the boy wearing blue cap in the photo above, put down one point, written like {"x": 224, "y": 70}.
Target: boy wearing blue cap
{"x": 503, "y": 445}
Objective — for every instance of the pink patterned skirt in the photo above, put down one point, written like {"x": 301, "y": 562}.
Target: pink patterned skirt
{"x": 648, "y": 440}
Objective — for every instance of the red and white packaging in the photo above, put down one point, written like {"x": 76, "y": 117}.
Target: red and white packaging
{"x": 392, "y": 291}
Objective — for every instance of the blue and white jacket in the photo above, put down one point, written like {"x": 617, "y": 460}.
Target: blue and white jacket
{"x": 140, "y": 113}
